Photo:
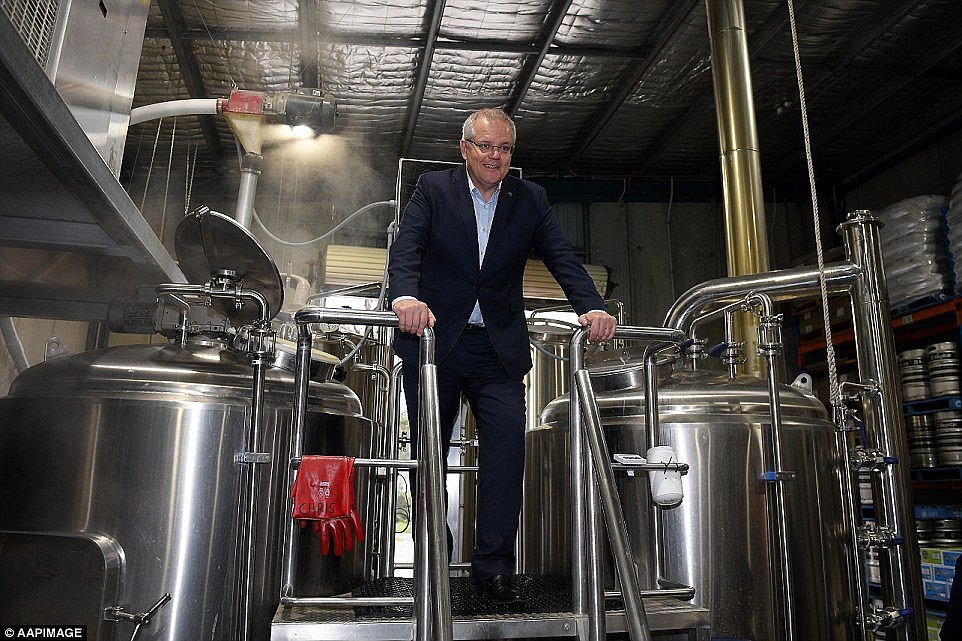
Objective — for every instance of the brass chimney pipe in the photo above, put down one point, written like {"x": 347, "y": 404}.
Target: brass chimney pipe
{"x": 746, "y": 240}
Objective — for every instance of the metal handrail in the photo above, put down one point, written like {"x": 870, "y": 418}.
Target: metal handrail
{"x": 593, "y": 475}
{"x": 432, "y": 599}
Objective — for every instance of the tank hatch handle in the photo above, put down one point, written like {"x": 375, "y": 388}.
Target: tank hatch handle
{"x": 872, "y": 535}
{"x": 141, "y": 620}
{"x": 887, "y": 618}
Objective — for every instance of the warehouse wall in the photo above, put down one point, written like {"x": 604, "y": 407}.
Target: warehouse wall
{"x": 656, "y": 251}
{"x": 931, "y": 171}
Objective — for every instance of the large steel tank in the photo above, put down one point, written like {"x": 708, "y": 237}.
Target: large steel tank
{"x": 118, "y": 484}
{"x": 719, "y": 539}
{"x": 549, "y": 374}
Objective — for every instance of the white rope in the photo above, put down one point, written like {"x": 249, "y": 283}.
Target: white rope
{"x": 150, "y": 167}
{"x": 189, "y": 178}
{"x": 829, "y": 345}
{"x": 170, "y": 164}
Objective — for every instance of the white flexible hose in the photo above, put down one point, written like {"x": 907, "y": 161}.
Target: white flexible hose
{"x": 191, "y": 107}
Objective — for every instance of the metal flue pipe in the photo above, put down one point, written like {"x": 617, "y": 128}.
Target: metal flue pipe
{"x": 741, "y": 171}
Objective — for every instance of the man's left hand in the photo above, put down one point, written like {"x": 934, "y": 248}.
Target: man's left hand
{"x": 601, "y": 326}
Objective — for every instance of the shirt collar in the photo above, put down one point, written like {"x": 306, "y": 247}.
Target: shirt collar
{"x": 472, "y": 188}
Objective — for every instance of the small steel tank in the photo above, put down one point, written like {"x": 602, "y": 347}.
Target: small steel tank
{"x": 719, "y": 539}
{"x": 118, "y": 484}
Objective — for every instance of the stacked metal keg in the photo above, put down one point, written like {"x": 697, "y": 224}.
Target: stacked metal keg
{"x": 915, "y": 379}
{"x": 922, "y": 446}
{"x": 925, "y": 529}
{"x": 947, "y": 532}
{"x": 942, "y": 364}
{"x": 934, "y": 438}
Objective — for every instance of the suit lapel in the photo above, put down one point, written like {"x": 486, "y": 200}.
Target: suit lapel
{"x": 502, "y": 214}
{"x": 465, "y": 210}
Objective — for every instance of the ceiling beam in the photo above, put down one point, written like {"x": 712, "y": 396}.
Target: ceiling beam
{"x": 307, "y": 32}
{"x": 760, "y": 40}
{"x": 392, "y": 42}
{"x": 933, "y": 55}
{"x": 668, "y": 25}
{"x": 937, "y": 129}
{"x": 436, "y": 12}
{"x": 533, "y": 63}
{"x": 174, "y": 20}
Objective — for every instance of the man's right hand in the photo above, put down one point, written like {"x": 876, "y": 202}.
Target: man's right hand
{"x": 413, "y": 316}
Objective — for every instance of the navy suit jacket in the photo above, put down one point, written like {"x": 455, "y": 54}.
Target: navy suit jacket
{"x": 435, "y": 259}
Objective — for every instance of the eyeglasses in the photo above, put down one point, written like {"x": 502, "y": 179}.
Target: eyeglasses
{"x": 487, "y": 148}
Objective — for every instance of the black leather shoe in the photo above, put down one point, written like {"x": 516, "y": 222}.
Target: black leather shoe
{"x": 498, "y": 589}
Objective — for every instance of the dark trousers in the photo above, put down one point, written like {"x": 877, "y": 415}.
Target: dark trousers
{"x": 497, "y": 403}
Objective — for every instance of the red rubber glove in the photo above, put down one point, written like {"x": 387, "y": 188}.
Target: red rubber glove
{"x": 323, "y": 492}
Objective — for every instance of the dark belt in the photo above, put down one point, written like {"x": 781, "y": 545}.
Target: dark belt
{"x": 473, "y": 328}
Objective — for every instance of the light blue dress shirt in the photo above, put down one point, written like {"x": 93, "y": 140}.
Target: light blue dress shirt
{"x": 483, "y": 216}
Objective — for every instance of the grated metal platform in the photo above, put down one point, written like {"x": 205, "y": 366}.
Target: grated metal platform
{"x": 547, "y": 613}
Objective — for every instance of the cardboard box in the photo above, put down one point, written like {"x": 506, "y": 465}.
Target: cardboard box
{"x": 936, "y": 589}
{"x": 943, "y": 573}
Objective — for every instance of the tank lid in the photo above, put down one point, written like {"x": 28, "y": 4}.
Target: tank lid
{"x": 696, "y": 392}
{"x": 206, "y": 240}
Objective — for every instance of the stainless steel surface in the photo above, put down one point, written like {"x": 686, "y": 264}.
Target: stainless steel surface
{"x": 432, "y": 593}
{"x": 137, "y": 444}
{"x": 94, "y": 68}
{"x": 365, "y": 375}
{"x": 549, "y": 374}
{"x": 786, "y": 284}
{"x": 207, "y": 241}
{"x": 72, "y": 232}
{"x": 250, "y": 172}
{"x": 745, "y": 231}
{"x": 614, "y": 517}
{"x": 717, "y": 539}
{"x": 884, "y": 426}
{"x": 299, "y": 624}
{"x": 587, "y": 589}
{"x": 434, "y": 590}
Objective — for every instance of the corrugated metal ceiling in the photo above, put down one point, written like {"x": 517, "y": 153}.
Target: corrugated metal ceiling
{"x": 598, "y": 87}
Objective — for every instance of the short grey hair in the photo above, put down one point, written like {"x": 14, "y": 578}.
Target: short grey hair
{"x": 491, "y": 114}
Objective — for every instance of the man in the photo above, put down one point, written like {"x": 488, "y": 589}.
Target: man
{"x": 457, "y": 266}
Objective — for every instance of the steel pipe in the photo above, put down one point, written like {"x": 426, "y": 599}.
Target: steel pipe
{"x": 433, "y": 589}
{"x": 385, "y": 562}
{"x": 617, "y": 531}
{"x": 249, "y": 174}
{"x": 745, "y": 233}
{"x": 786, "y": 284}
{"x": 884, "y": 423}
{"x": 587, "y": 592}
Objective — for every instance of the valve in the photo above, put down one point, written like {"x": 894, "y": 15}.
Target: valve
{"x": 845, "y": 418}
{"x": 693, "y": 350}
{"x": 872, "y": 535}
{"x": 141, "y": 620}
{"x": 886, "y": 618}
{"x": 769, "y": 331}
{"x": 865, "y": 459}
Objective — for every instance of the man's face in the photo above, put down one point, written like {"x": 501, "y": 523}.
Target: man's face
{"x": 487, "y": 169}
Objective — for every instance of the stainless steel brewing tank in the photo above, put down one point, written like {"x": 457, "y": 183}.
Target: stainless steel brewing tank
{"x": 118, "y": 484}
{"x": 549, "y": 375}
{"x": 719, "y": 539}
{"x": 363, "y": 374}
